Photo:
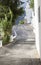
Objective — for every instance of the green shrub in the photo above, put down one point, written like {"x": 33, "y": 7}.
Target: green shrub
{"x": 6, "y": 23}
{"x": 21, "y": 22}
{"x": 5, "y": 12}
{"x": 14, "y": 5}
{"x": 7, "y": 27}
{"x": 6, "y": 39}
{"x": 32, "y": 4}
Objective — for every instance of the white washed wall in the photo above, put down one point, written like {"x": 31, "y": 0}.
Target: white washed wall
{"x": 39, "y": 1}
{"x": 35, "y": 23}
{"x": 36, "y": 26}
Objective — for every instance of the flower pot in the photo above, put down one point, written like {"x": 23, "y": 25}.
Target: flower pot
{"x": 13, "y": 37}
{"x": 0, "y": 43}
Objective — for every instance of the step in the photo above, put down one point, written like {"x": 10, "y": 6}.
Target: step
{"x": 29, "y": 41}
{"x": 26, "y": 39}
{"x": 26, "y": 42}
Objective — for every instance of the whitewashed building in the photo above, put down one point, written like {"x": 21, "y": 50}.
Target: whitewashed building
{"x": 37, "y": 25}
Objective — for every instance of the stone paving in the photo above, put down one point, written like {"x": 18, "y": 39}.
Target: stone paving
{"x": 24, "y": 31}
{"x": 19, "y": 53}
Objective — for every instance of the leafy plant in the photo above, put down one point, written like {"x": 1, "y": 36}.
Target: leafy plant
{"x": 21, "y": 22}
{"x": 7, "y": 28}
{"x": 15, "y": 7}
{"x": 9, "y": 12}
{"x": 5, "y": 12}
{"x": 6, "y": 39}
{"x": 32, "y": 4}
{"x": 6, "y": 23}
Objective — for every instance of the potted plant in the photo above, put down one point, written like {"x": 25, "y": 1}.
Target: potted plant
{"x": 8, "y": 36}
{"x": 6, "y": 20}
{"x": 9, "y": 11}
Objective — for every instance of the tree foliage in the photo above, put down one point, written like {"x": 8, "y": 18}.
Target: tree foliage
{"x": 5, "y": 23}
{"x": 15, "y": 6}
{"x": 32, "y": 4}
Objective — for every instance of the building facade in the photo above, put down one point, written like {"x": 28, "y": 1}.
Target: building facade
{"x": 37, "y": 25}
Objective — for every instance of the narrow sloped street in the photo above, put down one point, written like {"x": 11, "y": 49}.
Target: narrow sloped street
{"x": 23, "y": 51}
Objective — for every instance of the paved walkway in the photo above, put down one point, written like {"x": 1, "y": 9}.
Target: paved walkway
{"x": 24, "y": 31}
{"x": 19, "y": 53}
